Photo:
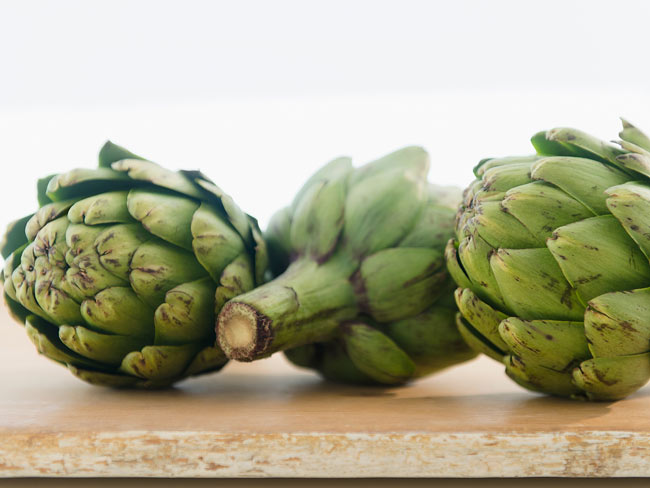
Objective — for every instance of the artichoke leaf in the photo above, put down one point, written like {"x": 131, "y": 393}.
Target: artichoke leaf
{"x": 533, "y": 376}
{"x": 616, "y": 324}
{"x": 597, "y": 256}
{"x": 583, "y": 179}
{"x": 215, "y": 243}
{"x": 105, "y": 208}
{"x": 613, "y": 378}
{"x": 187, "y": 314}
{"x": 630, "y": 204}
{"x": 104, "y": 348}
{"x": 159, "y": 363}
{"x": 164, "y": 215}
{"x": 482, "y": 317}
{"x": 376, "y": 355}
{"x": 118, "y": 310}
{"x": 552, "y": 344}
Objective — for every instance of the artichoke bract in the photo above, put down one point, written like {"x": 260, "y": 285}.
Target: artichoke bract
{"x": 121, "y": 272}
{"x": 551, "y": 257}
{"x": 361, "y": 292}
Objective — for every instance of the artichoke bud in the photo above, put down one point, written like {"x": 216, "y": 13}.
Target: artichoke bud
{"x": 567, "y": 310}
{"x": 124, "y": 268}
{"x": 355, "y": 245}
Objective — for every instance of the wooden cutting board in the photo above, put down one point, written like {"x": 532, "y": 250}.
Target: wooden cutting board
{"x": 270, "y": 419}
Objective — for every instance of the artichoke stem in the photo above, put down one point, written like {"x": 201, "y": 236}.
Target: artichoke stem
{"x": 303, "y": 305}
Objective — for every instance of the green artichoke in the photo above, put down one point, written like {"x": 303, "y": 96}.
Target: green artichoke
{"x": 361, "y": 292}
{"x": 120, "y": 273}
{"x": 551, "y": 257}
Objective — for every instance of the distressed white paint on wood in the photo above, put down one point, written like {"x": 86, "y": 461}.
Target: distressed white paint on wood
{"x": 268, "y": 419}
{"x": 213, "y": 454}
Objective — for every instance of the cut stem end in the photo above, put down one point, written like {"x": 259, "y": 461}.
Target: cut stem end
{"x": 242, "y": 332}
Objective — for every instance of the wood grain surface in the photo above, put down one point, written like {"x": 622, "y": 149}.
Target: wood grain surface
{"x": 270, "y": 419}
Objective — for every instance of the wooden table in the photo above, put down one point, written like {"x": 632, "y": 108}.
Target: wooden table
{"x": 269, "y": 419}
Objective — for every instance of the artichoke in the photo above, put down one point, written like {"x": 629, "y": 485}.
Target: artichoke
{"x": 120, "y": 273}
{"x": 361, "y": 292}
{"x": 551, "y": 257}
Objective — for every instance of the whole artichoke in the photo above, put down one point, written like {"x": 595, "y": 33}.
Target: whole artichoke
{"x": 362, "y": 293}
{"x": 120, "y": 273}
{"x": 551, "y": 257}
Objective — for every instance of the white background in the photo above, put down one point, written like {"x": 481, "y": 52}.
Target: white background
{"x": 259, "y": 94}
